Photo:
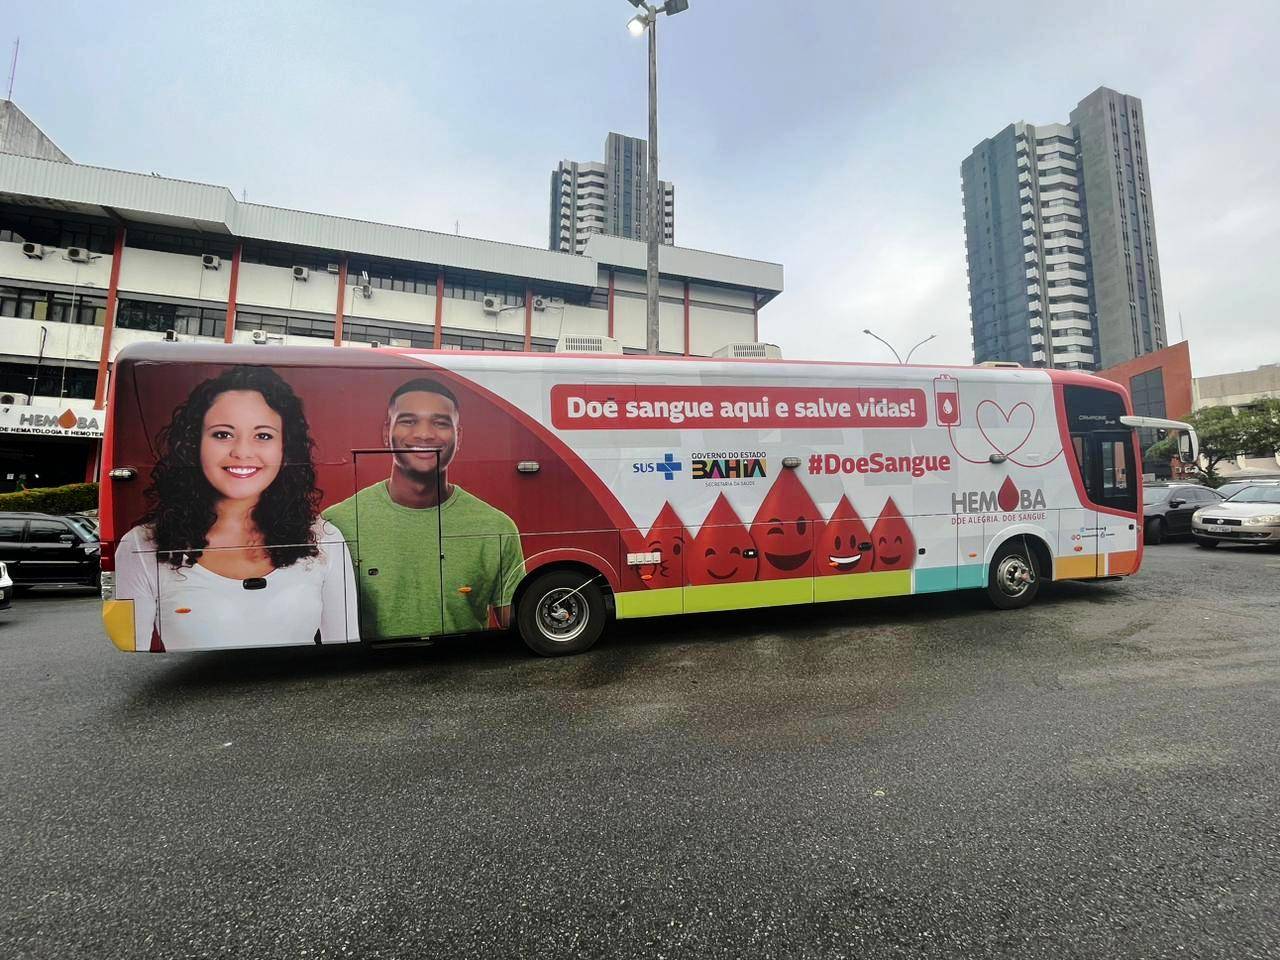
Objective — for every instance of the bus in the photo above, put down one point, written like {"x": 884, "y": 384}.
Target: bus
{"x": 275, "y": 495}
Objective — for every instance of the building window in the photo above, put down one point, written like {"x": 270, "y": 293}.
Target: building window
{"x": 159, "y": 317}
{"x": 17, "y": 226}
{"x": 46, "y": 305}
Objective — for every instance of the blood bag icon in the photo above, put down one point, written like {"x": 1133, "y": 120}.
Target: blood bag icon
{"x": 946, "y": 400}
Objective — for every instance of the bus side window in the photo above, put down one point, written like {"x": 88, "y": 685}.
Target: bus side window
{"x": 1082, "y": 447}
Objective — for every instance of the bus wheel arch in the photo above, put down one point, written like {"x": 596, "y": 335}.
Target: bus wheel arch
{"x": 562, "y": 607}
{"x": 1018, "y": 565}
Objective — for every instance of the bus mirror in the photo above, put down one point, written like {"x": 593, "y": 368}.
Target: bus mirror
{"x": 1188, "y": 448}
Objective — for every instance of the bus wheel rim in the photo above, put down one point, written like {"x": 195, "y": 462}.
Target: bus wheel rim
{"x": 562, "y": 614}
{"x": 1014, "y": 576}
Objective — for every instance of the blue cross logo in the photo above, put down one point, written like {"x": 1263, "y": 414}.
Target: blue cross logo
{"x": 669, "y": 467}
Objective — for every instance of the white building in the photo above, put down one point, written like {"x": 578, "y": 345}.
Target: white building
{"x": 92, "y": 259}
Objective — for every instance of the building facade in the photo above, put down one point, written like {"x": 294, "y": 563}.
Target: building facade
{"x": 1060, "y": 240}
{"x": 608, "y": 198}
{"x": 1160, "y": 385}
{"x": 92, "y": 259}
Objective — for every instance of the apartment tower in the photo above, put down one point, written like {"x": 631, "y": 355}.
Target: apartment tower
{"x": 1060, "y": 238}
{"x": 606, "y": 197}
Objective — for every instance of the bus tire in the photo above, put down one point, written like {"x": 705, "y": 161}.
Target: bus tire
{"x": 561, "y": 612}
{"x": 1153, "y": 532}
{"x": 1013, "y": 579}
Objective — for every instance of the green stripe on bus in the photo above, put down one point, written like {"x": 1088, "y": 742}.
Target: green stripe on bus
{"x": 649, "y": 603}
{"x": 742, "y": 596}
{"x": 859, "y": 586}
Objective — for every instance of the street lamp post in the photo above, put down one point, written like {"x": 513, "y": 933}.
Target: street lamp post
{"x": 897, "y": 356}
{"x": 647, "y": 19}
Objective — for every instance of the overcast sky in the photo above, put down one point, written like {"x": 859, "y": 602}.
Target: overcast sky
{"x": 826, "y": 135}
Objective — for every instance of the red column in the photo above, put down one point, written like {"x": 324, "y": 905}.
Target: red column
{"x": 91, "y": 462}
{"x": 611, "y": 302}
{"x": 342, "y": 302}
{"x": 109, "y": 322}
{"x": 229, "y": 336}
{"x": 686, "y": 318}
{"x": 528, "y": 319}
{"x": 438, "y": 341}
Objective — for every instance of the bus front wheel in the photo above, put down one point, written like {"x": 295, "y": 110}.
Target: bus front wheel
{"x": 561, "y": 612}
{"x": 1014, "y": 577}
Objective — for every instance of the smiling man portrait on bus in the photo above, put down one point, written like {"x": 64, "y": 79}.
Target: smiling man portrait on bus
{"x": 395, "y": 525}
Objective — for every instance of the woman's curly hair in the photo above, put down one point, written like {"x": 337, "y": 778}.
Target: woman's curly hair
{"x": 182, "y": 501}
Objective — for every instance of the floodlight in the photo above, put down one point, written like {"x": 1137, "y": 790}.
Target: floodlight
{"x": 637, "y": 25}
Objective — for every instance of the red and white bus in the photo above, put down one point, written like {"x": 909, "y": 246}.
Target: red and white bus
{"x": 261, "y": 496}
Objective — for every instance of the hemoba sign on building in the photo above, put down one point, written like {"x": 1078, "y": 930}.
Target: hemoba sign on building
{"x": 51, "y": 421}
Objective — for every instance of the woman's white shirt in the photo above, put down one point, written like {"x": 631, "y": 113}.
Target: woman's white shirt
{"x": 194, "y": 608}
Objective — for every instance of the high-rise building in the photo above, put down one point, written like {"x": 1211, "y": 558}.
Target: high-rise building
{"x": 1060, "y": 238}
{"x": 608, "y": 197}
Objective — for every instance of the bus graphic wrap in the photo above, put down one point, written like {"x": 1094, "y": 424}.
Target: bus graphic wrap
{"x": 288, "y": 496}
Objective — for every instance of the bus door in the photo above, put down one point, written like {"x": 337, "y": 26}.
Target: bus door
{"x": 396, "y": 551}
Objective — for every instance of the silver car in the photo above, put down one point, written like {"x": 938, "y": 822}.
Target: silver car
{"x": 1252, "y": 515}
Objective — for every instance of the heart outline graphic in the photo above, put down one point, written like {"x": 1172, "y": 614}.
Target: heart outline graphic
{"x": 1008, "y": 420}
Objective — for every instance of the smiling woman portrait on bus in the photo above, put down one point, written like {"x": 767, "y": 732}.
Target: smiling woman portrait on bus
{"x": 232, "y": 551}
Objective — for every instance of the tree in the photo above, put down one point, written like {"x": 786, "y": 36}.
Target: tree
{"x": 1225, "y": 434}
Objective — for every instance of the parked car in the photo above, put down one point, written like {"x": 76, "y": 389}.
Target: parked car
{"x": 1233, "y": 487}
{"x": 6, "y": 588}
{"x": 41, "y": 549}
{"x": 1167, "y": 509}
{"x": 1251, "y": 516}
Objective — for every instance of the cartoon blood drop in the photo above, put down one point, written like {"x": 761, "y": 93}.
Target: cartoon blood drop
{"x": 840, "y": 545}
{"x": 723, "y": 551}
{"x": 668, "y": 537}
{"x": 1008, "y": 496}
{"x": 895, "y": 547}
{"x": 784, "y": 529}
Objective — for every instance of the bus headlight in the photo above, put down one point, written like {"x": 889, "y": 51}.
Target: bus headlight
{"x": 108, "y": 582}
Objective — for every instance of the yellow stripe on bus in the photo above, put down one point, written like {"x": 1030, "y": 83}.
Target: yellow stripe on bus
{"x": 117, "y": 617}
{"x": 1079, "y": 567}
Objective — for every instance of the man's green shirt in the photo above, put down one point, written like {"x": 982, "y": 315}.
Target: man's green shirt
{"x": 398, "y": 568}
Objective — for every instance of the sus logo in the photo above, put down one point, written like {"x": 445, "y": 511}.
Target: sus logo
{"x": 784, "y": 529}
{"x": 668, "y": 537}
{"x": 841, "y": 543}
{"x": 723, "y": 551}
{"x": 895, "y": 547}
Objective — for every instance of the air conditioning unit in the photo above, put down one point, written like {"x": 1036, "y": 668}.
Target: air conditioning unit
{"x": 539, "y": 303}
{"x": 580, "y": 343}
{"x": 1000, "y": 364}
{"x": 210, "y": 262}
{"x": 334, "y": 268}
{"x": 492, "y": 304}
{"x": 375, "y": 344}
{"x": 258, "y": 336}
{"x": 33, "y": 251}
{"x": 78, "y": 255}
{"x": 171, "y": 336}
{"x": 301, "y": 273}
{"x": 749, "y": 351}
{"x": 366, "y": 290}
{"x": 14, "y": 399}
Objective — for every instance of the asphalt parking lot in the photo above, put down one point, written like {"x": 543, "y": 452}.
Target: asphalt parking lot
{"x": 1097, "y": 776}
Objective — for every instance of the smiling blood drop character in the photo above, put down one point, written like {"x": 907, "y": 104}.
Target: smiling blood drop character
{"x": 668, "y": 537}
{"x": 840, "y": 545}
{"x": 895, "y": 547}
{"x": 720, "y": 551}
{"x": 784, "y": 529}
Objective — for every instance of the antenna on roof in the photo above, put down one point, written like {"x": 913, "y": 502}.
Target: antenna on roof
{"x": 13, "y": 67}
{"x": 457, "y": 226}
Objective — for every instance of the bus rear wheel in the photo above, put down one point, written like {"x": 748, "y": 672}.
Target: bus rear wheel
{"x": 1014, "y": 577}
{"x": 561, "y": 612}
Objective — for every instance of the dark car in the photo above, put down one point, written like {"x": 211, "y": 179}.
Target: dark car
{"x": 38, "y": 548}
{"x": 1167, "y": 508}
